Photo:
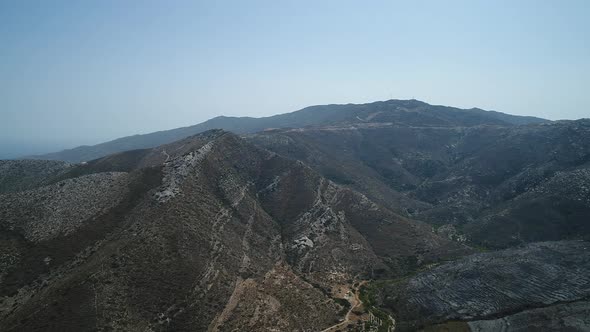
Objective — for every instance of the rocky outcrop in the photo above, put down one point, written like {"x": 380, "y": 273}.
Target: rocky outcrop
{"x": 177, "y": 169}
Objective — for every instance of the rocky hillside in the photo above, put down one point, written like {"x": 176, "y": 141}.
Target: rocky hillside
{"x": 207, "y": 233}
{"x": 494, "y": 186}
{"x": 387, "y": 216}
{"x": 544, "y": 285}
{"x": 406, "y": 112}
{"x": 17, "y": 175}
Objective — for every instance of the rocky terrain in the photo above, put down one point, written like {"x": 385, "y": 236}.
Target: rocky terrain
{"x": 208, "y": 233}
{"x": 574, "y": 316}
{"x": 17, "y": 175}
{"x": 492, "y": 186}
{"x": 59, "y": 209}
{"x": 341, "y": 217}
{"x": 542, "y": 285}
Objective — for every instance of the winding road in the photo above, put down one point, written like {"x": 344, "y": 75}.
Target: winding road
{"x": 355, "y": 302}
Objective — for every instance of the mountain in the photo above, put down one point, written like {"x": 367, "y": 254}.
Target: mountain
{"x": 27, "y": 174}
{"x": 403, "y": 112}
{"x": 491, "y": 186}
{"x": 207, "y": 233}
{"x": 387, "y": 216}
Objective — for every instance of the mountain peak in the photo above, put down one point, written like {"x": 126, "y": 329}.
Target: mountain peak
{"x": 396, "y": 112}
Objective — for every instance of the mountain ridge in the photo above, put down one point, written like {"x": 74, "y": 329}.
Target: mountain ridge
{"x": 276, "y": 229}
{"x": 195, "y": 235}
{"x": 408, "y": 111}
{"x": 492, "y": 186}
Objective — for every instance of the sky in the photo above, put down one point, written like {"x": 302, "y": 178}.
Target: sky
{"x": 84, "y": 72}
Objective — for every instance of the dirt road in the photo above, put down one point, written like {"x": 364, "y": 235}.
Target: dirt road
{"x": 355, "y": 302}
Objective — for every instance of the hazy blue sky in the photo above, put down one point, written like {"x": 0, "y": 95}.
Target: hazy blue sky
{"x": 82, "y": 72}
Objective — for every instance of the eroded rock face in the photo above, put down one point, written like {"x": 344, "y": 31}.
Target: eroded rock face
{"x": 496, "y": 284}
{"x": 177, "y": 169}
